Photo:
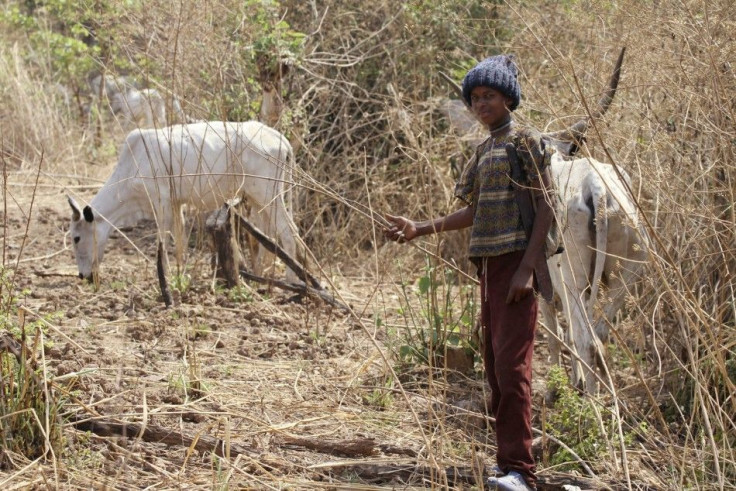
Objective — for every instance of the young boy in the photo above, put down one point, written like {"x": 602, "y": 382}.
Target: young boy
{"x": 504, "y": 255}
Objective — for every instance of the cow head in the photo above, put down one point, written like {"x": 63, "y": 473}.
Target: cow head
{"x": 88, "y": 251}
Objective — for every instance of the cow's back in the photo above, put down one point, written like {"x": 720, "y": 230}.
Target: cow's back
{"x": 204, "y": 164}
{"x": 571, "y": 176}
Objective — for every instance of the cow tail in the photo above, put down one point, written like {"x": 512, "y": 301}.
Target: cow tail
{"x": 289, "y": 175}
{"x": 600, "y": 217}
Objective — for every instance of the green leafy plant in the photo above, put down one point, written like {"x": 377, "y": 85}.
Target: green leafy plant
{"x": 199, "y": 331}
{"x": 181, "y": 282}
{"x": 445, "y": 315}
{"x": 572, "y": 419}
{"x": 240, "y": 293}
{"x": 268, "y": 44}
{"x": 187, "y": 381}
{"x": 76, "y": 36}
{"x": 276, "y": 43}
{"x": 29, "y": 408}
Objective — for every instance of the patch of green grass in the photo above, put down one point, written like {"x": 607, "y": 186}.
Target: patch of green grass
{"x": 199, "y": 331}
{"x": 118, "y": 286}
{"x": 382, "y": 397}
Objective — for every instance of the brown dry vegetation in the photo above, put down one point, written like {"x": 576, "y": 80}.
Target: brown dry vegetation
{"x": 302, "y": 395}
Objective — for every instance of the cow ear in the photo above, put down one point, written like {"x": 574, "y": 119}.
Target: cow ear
{"x": 88, "y": 214}
{"x": 76, "y": 214}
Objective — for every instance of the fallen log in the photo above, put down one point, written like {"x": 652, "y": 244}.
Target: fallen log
{"x": 356, "y": 447}
{"x": 220, "y": 224}
{"x": 324, "y": 295}
{"x": 359, "y": 447}
{"x": 156, "y": 434}
{"x": 410, "y": 472}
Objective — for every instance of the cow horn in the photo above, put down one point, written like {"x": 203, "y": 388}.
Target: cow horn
{"x": 576, "y": 132}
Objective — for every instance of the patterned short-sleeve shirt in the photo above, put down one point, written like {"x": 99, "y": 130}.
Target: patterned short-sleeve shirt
{"x": 486, "y": 185}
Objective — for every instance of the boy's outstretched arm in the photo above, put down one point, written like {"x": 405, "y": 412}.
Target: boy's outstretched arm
{"x": 403, "y": 230}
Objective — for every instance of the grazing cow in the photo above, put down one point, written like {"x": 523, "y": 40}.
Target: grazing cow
{"x": 197, "y": 165}
{"x": 144, "y": 108}
{"x": 605, "y": 248}
{"x": 605, "y": 245}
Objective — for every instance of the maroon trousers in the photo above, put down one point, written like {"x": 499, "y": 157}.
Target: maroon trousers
{"x": 508, "y": 348}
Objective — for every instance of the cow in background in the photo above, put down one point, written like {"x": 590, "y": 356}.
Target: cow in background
{"x": 133, "y": 106}
{"x": 145, "y": 108}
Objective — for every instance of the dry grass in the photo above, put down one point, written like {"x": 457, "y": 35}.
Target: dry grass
{"x": 362, "y": 106}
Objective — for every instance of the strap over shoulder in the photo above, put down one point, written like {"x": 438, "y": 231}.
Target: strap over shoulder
{"x": 530, "y": 146}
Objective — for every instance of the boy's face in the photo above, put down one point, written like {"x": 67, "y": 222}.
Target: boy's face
{"x": 490, "y": 106}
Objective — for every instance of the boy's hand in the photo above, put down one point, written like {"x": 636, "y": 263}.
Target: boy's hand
{"x": 522, "y": 284}
{"x": 400, "y": 230}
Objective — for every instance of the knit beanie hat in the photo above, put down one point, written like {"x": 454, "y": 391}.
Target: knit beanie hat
{"x": 497, "y": 72}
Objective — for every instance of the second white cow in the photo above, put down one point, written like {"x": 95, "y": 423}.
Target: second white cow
{"x": 145, "y": 108}
{"x": 196, "y": 165}
{"x": 605, "y": 248}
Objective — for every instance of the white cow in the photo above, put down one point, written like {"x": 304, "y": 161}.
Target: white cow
{"x": 197, "y": 165}
{"x": 605, "y": 248}
{"x": 144, "y": 108}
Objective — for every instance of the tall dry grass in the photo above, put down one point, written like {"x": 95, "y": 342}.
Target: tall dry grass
{"x": 37, "y": 118}
{"x": 363, "y": 100}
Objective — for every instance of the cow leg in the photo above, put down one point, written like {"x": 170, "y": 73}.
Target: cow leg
{"x": 617, "y": 282}
{"x": 575, "y": 270}
{"x": 180, "y": 238}
{"x": 264, "y": 219}
{"x": 628, "y": 251}
{"x": 169, "y": 222}
{"x": 147, "y": 113}
{"x": 255, "y": 248}
{"x": 158, "y": 110}
{"x": 285, "y": 232}
{"x": 583, "y": 343}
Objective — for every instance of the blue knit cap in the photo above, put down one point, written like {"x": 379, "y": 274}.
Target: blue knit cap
{"x": 497, "y": 72}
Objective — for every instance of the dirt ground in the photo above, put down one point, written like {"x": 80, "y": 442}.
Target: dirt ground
{"x": 252, "y": 388}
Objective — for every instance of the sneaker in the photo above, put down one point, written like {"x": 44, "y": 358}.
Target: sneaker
{"x": 510, "y": 482}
